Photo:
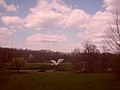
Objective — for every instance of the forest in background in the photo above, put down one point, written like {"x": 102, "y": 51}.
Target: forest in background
{"x": 89, "y": 60}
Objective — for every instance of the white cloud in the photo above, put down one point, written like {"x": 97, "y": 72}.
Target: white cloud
{"x": 100, "y": 21}
{"x": 45, "y": 15}
{"x": 7, "y": 7}
{"x": 5, "y": 33}
{"x": 43, "y": 41}
{"x": 95, "y": 29}
{"x": 55, "y": 13}
{"x": 46, "y": 38}
{"x": 12, "y": 21}
{"x": 76, "y": 19}
{"x": 112, "y": 5}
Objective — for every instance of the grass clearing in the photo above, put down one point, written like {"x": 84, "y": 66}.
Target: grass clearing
{"x": 36, "y": 66}
{"x": 60, "y": 81}
{"x": 39, "y": 65}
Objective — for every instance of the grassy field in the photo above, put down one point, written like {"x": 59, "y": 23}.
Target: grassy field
{"x": 58, "y": 81}
{"x": 37, "y": 66}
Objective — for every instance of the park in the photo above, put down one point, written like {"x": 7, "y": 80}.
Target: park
{"x": 48, "y": 70}
{"x": 58, "y": 81}
{"x": 58, "y": 77}
{"x": 59, "y": 44}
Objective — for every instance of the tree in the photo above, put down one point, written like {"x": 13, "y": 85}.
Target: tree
{"x": 89, "y": 47}
{"x": 91, "y": 56}
{"x": 77, "y": 60}
{"x": 18, "y": 63}
{"x": 113, "y": 40}
{"x": 106, "y": 59}
{"x": 113, "y": 35}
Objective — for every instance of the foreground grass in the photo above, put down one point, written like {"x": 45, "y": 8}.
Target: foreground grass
{"x": 60, "y": 81}
{"x": 4, "y": 78}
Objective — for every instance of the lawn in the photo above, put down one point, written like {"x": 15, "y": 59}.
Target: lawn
{"x": 37, "y": 66}
{"x": 58, "y": 81}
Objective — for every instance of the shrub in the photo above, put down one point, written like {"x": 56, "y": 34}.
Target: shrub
{"x": 17, "y": 64}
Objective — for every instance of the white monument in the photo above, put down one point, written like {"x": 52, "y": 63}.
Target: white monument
{"x": 56, "y": 63}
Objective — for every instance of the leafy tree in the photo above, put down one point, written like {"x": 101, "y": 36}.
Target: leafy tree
{"x": 18, "y": 63}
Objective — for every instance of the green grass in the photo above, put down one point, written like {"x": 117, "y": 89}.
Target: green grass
{"x": 33, "y": 65}
{"x": 59, "y": 81}
{"x": 4, "y": 78}
{"x": 39, "y": 65}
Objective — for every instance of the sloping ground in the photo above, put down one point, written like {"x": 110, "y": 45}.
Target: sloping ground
{"x": 60, "y": 81}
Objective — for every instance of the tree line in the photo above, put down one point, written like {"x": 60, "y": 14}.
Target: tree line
{"x": 88, "y": 60}
{"x": 38, "y": 56}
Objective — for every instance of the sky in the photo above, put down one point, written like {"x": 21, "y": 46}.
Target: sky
{"x": 58, "y": 25}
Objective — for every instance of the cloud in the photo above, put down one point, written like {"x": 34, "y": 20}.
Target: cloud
{"x": 76, "y": 19}
{"x": 44, "y": 15}
{"x": 7, "y": 7}
{"x": 95, "y": 29}
{"x": 112, "y": 5}
{"x": 5, "y": 34}
{"x": 46, "y": 38}
{"x": 50, "y": 41}
{"x": 99, "y": 23}
{"x": 54, "y": 13}
{"x": 43, "y": 41}
{"x": 12, "y": 21}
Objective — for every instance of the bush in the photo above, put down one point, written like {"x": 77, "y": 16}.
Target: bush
{"x": 17, "y": 64}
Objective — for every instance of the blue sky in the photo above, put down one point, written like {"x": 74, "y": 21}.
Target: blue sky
{"x": 89, "y": 6}
{"x": 59, "y": 25}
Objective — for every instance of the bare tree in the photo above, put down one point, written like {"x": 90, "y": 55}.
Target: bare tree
{"x": 105, "y": 49}
{"x": 106, "y": 59}
{"x": 113, "y": 40}
{"x": 113, "y": 35}
{"x": 89, "y": 47}
{"x": 91, "y": 56}
{"x": 77, "y": 60}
